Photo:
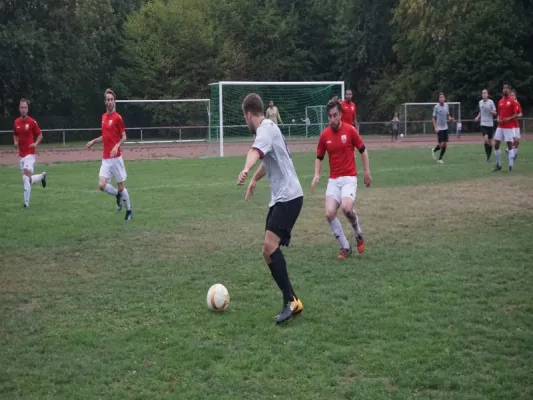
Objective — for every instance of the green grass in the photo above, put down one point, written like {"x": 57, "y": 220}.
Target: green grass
{"x": 438, "y": 307}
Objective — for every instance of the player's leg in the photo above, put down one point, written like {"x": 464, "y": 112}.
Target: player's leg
{"x": 443, "y": 139}
{"x": 332, "y": 203}
{"x": 437, "y": 147}
{"x": 280, "y": 221}
{"x": 104, "y": 181}
{"x": 516, "y": 142}
{"x": 119, "y": 172}
{"x": 348, "y": 195}
{"x": 509, "y": 135}
{"x": 27, "y": 165}
{"x": 498, "y": 139}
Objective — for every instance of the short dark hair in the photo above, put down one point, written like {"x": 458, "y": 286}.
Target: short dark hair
{"x": 253, "y": 104}
{"x": 334, "y": 102}
{"x": 110, "y": 91}
{"x": 513, "y": 91}
{"x": 506, "y": 83}
{"x": 23, "y": 100}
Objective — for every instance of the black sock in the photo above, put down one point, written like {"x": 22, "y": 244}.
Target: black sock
{"x": 442, "y": 151}
{"x": 278, "y": 268}
{"x": 489, "y": 151}
{"x": 437, "y": 148}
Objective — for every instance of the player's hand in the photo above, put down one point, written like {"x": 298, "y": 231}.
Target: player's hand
{"x": 368, "y": 179}
{"x": 314, "y": 182}
{"x": 16, "y": 144}
{"x": 114, "y": 151}
{"x": 90, "y": 144}
{"x": 242, "y": 176}
{"x": 436, "y": 130}
{"x": 250, "y": 190}
{"x": 32, "y": 146}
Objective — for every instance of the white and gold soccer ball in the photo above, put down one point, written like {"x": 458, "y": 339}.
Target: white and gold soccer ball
{"x": 217, "y": 297}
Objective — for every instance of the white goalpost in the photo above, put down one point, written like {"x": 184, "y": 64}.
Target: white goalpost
{"x": 300, "y": 105}
{"x": 167, "y": 120}
{"x": 417, "y": 117}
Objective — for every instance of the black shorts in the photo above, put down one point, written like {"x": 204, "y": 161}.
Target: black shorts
{"x": 487, "y": 131}
{"x": 281, "y": 218}
{"x": 443, "y": 136}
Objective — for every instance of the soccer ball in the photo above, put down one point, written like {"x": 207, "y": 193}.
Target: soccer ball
{"x": 401, "y": 134}
{"x": 217, "y": 297}
{"x": 293, "y": 121}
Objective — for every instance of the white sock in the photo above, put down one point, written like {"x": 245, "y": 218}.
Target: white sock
{"x": 511, "y": 157}
{"x": 497, "y": 155}
{"x": 36, "y": 178}
{"x": 336, "y": 228}
{"x": 27, "y": 189}
{"x": 126, "y": 199}
{"x": 110, "y": 189}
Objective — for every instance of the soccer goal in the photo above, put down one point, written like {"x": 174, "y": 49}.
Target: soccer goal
{"x": 166, "y": 120}
{"x": 300, "y": 105}
{"x": 417, "y": 118}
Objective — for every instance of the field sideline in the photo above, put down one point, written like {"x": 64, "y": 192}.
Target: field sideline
{"x": 438, "y": 307}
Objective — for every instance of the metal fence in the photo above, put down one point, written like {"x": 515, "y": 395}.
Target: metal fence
{"x": 182, "y": 134}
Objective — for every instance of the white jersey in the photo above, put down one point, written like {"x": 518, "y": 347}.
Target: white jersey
{"x": 485, "y": 108}
{"x": 284, "y": 183}
{"x": 441, "y": 115}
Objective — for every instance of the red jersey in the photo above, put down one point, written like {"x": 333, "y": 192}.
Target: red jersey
{"x": 26, "y": 130}
{"x": 507, "y": 107}
{"x": 340, "y": 146}
{"x": 112, "y": 128}
{"x": 516, "y": 122}
{"x": 348, "y": 111}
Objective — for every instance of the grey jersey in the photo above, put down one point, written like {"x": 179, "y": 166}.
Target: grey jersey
{"x": 485, "y": 108}
{"x": 441, "y": 114}
{"x": 284, "y": 183}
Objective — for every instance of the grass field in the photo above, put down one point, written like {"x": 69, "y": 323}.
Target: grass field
{"x": 438, "y": 307}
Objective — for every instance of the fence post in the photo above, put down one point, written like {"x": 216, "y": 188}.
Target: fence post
{"x": 180, "y": 134}
{"x": 141, "y": 135}
{"x": 63, "y": 138}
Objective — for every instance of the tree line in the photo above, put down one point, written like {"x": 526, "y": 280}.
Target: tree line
{"x": 62, "y": 54}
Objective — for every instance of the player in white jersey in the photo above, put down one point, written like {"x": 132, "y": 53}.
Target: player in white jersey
{"x": 441, "y": 116}
{"x": 487, "y": 112}
{"x": 286, "y": 196}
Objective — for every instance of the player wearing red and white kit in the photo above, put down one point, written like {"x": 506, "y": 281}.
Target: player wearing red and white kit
{"x": 338, "y": 140}
{"x": 507, "y": 112}
{"x": 113, "y": 136}
{"x": 516, "y": 124}
{"x": 349, "y": 109}
{"x": 25, "y": 129}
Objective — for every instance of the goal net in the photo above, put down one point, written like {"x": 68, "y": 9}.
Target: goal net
{"x": 301, "y": 106}
{"x": 166, "y": 120}
{"x": 417, "y": 118}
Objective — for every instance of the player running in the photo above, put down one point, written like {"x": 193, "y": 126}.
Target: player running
{"x": 349, "y": 109}
{"x": 507, "y": 112}
{"x": 113, "y": 136}
{"x": 286, "y": 196}
{"x": 516, "y": 124}
{"x": 25, "y": 129}
{"x": 487, "y": 111}
{"x": 441, "y": 116}
{"x": 338, "y": 140}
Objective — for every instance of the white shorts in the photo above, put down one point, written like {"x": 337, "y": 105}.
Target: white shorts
{"x": 517, "y": 133}
{"x": 342, "y": 187}
{"x": 27, "y": 163}
{"x": 113, "y": 167}
{"x": 504, "y": 134}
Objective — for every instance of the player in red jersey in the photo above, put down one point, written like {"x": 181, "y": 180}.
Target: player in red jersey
{"x": 338, "y": 140}
{"x": 349, "y": 110}
{"x": 25, "y": 129}
{"x": 507, "y": 112}
{"x": 516, "y": 124}
{"x": 113, "y": 136}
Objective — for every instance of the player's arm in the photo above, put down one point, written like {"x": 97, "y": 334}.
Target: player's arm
{"x": 434, "y": 118}
{"x": 360, "y": 146}
{"x": 95, "y": 140}
{"x": 259, "y": 173}
{"x": 262, "y": 146}
{"x": 38, "y": 133}
{"x": 493, "y": 109}
{"x": 320, "y": 154}
{"x": 15, "y": 137}
{"x": 280, "y": 122}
